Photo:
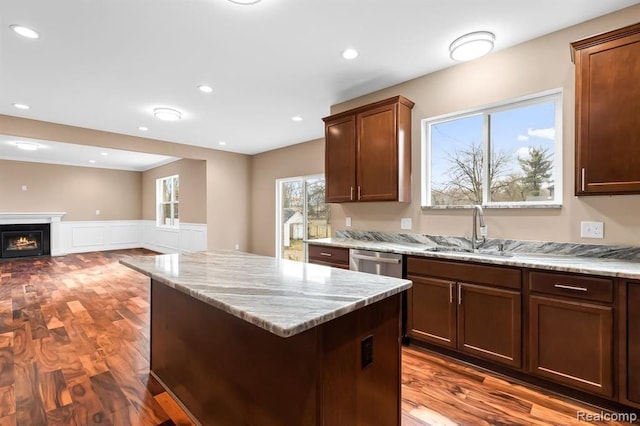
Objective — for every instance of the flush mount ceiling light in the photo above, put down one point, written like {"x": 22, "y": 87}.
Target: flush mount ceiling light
{"x": 24, "y": 31}
{"x": 222, "y": 143}
{"x": 205, "y": 89}
{"x": 350, "y": 53}
{"x": 143, "y": 128}
{"x": 245, "y": 2}
{"x": 471, "y": 46}
{"x": 21, "y": 106}
{"x": 296, "y": 118}
{"x": 167, "y": 114}
{"x": 26, "y": 146}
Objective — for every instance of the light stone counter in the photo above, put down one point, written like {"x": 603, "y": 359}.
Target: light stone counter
{"x": 591, "y": 259}
{"x": 281, "y": 296}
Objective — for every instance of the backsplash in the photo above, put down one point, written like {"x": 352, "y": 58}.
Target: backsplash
{"x": 631, "y": 253}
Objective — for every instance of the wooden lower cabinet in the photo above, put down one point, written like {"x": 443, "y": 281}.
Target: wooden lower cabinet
{"x": 571, "y": 342}
{"x": 633, "y": 342}
{"x": 432, "y": 311}
{"x": 480, "y": 320}
{"x": 489, "y": 323}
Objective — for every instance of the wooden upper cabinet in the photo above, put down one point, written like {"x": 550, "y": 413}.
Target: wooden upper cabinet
{"x": 608, "y": 113}
{"x": 368, "y": 153}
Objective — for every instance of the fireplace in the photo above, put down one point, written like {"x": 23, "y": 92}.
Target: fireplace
{"x": 26, "y": 240}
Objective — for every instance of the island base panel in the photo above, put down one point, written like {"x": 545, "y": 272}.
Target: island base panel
{"x": 228, "y": 372}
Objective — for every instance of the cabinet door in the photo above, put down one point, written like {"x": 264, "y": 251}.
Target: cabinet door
{"x": 431, "y": 311}
{"x": 377, "y": 161}
{"x": 633, "y": 343}
{"x": 489, "y": 323}
{"x": 571, "y": 343}
{"x": 607, "y": 110}
{"x": 340, "y": 159}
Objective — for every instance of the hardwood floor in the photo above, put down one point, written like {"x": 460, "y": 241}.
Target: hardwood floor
{"x": 74, "y": 350}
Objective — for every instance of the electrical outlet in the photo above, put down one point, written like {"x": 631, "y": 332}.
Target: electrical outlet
{"x": 348, "y": 221}
{"x": 237, "y": 246}
{"x": 97, "y": 212}
{"x": 405, "y": 223}
{"x": 592, "y": 229}
{"x": 24, "y": 187}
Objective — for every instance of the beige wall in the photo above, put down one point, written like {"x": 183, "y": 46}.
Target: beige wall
{"x": 532, "y": 67}
{"x": 299, "y": 160}
{"x": 78, "y": 191}
{"x": 193, "y": 189}
{"x": 227, "y": 182}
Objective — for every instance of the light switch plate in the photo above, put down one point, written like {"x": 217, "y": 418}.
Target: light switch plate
{"x": 348, "y": 221}
{"x": 405, "y": 223}
{"x": 591, "y": 229}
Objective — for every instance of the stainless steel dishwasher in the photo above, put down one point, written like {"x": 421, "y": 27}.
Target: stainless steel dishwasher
{"x": 381, "y": 263}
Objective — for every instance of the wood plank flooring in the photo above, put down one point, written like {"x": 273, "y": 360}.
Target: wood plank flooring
{"x": 74, "y": 350}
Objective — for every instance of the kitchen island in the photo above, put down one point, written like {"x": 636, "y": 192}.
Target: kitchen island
{"x": 246, "y": 339}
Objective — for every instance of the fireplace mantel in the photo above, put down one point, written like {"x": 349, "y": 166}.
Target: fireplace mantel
{"x": 54, "y": 218}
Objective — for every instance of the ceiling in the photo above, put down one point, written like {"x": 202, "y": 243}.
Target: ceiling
{"x": 106, "y": 64}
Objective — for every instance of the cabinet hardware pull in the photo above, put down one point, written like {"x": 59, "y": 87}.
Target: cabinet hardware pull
{"x": 351, "y": 194}
{"x": 570, "y": 287}
{"x": 359, "y": 192}
{"x": 450, "y": 293}
{"x": 375, "y": 259}
{"x": 583, "y": 178}
{"x": 325, "y": 254}
{"x": 459, "y": 294}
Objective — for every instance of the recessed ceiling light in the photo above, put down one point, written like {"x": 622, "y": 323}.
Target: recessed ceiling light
{"x": 471, "y": 46}
{"x": 350, "y": 53}
{"x": 92, "y": 161}
{"x": 205, "y": 89}
{"x": 167, "y": 114}
{"x": 222, "y": 143}
{"x": 24, "y": 31}
{"x": 104, "y": 154}
{"x": 143, "y": 128}
{"x": 296, "y": 118}
{"x": 26, "y": 146}
{"x": 246, "y": 2}
{"x": 21, "y": 106}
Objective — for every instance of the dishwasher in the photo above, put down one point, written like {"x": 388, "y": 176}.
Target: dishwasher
{"x": 381, "y": 263}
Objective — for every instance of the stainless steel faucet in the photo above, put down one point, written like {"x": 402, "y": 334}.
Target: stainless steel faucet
{"x": 475, "y": 241}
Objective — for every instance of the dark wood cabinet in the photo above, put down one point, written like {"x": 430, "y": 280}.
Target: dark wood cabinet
{"x": 570, "y": 332}
{"x": 480, "y": 318}
{"x": 336, "y": 257}
{"x": 633, "y": 342}
{"x": 368, "y": 153}
{"x": 607, "y": 110}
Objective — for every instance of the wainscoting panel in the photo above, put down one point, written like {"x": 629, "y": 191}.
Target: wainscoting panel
{"x": 86, "y": 236}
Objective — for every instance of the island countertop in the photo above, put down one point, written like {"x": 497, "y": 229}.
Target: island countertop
{"x": 284, "y": 297}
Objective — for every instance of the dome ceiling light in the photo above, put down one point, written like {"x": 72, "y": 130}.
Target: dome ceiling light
{"x": 24, "y": 31}
{"x": 471, "y": 46}
{"x": 245, "y": 2}
{"x": 167, "y": 114}
{"x": 350, "y": 53}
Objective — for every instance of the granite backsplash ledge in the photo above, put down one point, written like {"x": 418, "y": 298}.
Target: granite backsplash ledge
{"x": 631, "y": 253}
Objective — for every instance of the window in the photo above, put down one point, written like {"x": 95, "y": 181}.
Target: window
{"x": 301, "y": 214}
{"x": 167, "y": 192}
{"x": 506, "y": 155}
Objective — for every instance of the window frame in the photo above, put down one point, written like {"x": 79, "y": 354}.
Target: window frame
{"x": 160, "y": 203}
{"x": 554, "y": 95}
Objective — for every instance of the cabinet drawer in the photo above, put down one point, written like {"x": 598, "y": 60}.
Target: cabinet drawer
{"x": 329, "y": 254}
{"x": 574, "y": 286}
{"x": 465, "y": 272}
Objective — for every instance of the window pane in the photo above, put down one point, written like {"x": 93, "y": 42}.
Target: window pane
{"x": 456, "y": 161}
{"x": 292, "y": 220}
{"x": 175, "y": 211}
{"x": 318, "y": 212}
{"x": 522, "y": 145}
{"x": 166, "y": 190}
{"x": 166, "y": 214}
{"x": 176, "y": 187}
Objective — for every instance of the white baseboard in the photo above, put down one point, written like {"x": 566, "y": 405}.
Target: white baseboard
{"x": 85, "y": 236}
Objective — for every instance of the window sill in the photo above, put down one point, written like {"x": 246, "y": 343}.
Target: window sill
{"x": 496, "y": 206}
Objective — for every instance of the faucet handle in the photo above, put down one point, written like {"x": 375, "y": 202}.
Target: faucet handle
{"x": 501, "y": 247}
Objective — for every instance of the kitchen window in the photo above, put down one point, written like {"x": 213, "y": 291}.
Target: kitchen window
{"x": 167, "y": 198}
{"x": 301, "y": 214}
{"x": 505, "y": 155}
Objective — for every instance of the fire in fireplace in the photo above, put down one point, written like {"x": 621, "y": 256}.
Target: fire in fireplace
{"x": 24, "y": 240}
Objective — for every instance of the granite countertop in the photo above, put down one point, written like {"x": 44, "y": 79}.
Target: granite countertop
{"x": 284, "y": 297}
{"x": 590, "y": 259}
